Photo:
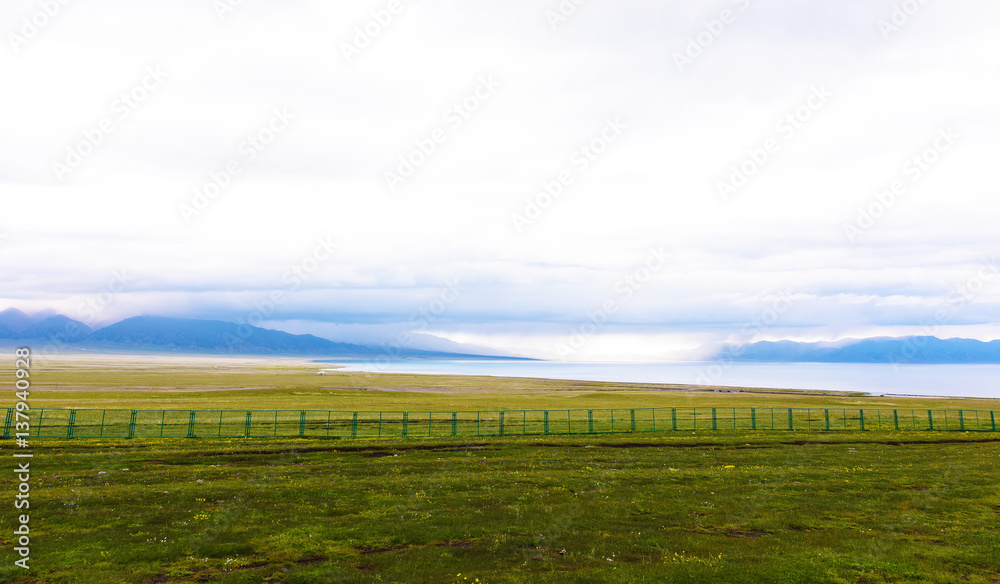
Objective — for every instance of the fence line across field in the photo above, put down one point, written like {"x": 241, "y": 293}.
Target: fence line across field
{"x": 87, "y": 423}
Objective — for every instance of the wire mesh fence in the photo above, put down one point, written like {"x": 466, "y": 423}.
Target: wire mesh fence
{"x": 86, "y": 423}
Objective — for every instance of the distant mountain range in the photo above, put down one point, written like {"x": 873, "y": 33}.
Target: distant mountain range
{"x": 918, "y": 349}
{"x": 185, "y": 335}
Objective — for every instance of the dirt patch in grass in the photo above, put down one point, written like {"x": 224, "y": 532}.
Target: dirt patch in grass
{"x": 367, "y": 451}
{"x": 369, "y": 551}
{"x": 745, "y": 533}
{"x": 457, "y": 543}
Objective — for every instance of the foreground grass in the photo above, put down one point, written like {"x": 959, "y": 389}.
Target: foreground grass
{"x": 719, "y": 507}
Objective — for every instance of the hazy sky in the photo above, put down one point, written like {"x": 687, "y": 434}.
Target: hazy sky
{"x": 651, "y": 177}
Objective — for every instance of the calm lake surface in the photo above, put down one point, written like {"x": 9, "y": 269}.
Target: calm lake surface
{"x": 929, "y": 380}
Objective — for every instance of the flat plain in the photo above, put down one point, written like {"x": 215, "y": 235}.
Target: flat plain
{"x": 721, "y": 506}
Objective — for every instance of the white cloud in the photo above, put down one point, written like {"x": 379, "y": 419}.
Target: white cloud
{"x": 656, "y": 185}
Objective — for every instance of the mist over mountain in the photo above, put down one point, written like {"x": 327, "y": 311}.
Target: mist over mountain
{"x": 13, "y": 321}
{"x": 57, "y": 326}
{"x": 186, "y": 335}
{"x": 917, "y": 349}
{"x": 192, "y": 335}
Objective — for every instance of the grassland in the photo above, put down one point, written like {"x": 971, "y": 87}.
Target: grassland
{"x": 784, "y": 508}
{"x": 661, "y": 507}
{"x": 192, "y": 382}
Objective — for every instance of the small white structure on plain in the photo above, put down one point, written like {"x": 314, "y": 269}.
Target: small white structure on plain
{"x": 321, "y": 372}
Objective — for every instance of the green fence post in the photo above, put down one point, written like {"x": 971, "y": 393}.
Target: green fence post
{"x": 406, "y": 420}
{"x": 993, "y": 422}
{"x": 191, "y": 415}
{"x": 501, "y": 423}
{"x": 753, "y": 418}
{"x": 673, "y": 418}
{"x": 895, "y": 419}
{"x": 247, "y": 427}
{"x": 961, "y": 421}
{"x": 612, "y": 419}
{"x": 454, "y": 423}
{"x": 380, "y": 424}
{"x": 477, "y": 421}
{"x": 163, "y": 421}
{"x": 275, "y": 423}
{"x": 861, "y": 416}
{"x": 546, "y": 421}
{"x": 791, "y": 425}
{"x": 930, "y": 420}
{"x": 715, "y": 423}
{"x": 6, "y": 425}
{"x": 302, "y": 423}
{"x": 354, "y": 425}
{"x": 590, "y": 421}
{"x": 72, "y": 422}
{"x": 826, "y": 415}
{"x": 654, "y": 419}
{"x": 131, "y": 425}
{"x": 633, "y": 419}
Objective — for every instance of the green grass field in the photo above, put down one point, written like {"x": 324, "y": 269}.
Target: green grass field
{"x": 784, "y": 508}
{"x": 660, "y": 507}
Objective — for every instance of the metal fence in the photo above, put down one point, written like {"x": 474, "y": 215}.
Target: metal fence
{"x": 84, "y": 423}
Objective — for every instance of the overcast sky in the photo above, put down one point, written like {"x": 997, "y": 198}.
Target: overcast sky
{"x": 654, "y": 178}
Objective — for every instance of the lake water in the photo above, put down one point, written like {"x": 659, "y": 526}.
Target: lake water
{"x": 926, "y": 380}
